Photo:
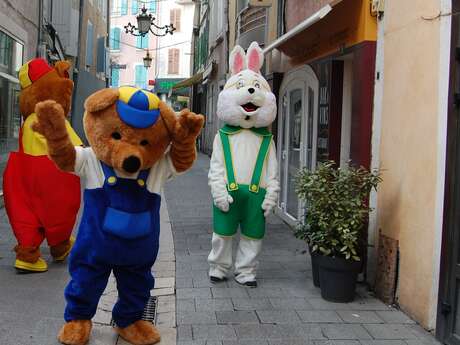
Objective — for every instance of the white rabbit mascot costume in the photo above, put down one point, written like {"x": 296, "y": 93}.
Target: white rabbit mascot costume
{"x": 243, "y": 172}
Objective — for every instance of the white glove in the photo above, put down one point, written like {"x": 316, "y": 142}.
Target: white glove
{"x": 223, "y": 202}
{"x": 268, "y": 205}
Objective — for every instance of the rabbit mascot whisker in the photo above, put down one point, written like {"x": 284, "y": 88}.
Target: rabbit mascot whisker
{"x": 243, "y": 173}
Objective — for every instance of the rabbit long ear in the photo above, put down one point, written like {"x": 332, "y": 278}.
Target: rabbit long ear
{"x": 237, "y": 60}
{"x": 255, "y": 57}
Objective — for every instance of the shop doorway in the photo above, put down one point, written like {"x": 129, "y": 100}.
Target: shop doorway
{"x": 297, "y": 132}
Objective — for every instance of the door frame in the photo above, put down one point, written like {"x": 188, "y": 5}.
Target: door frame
{"x": 450, "y": 244}
{"x": 303, "y": 77}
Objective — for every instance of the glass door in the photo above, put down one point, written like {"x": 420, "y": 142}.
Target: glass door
{"x": 296, "y": 133}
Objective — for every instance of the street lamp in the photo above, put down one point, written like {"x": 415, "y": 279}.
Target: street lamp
{"x": 147, "y": 60}
{"x": 145, "y": 22}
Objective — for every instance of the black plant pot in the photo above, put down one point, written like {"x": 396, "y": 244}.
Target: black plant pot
{"x": 337, "y": 278}
{"x": 314, "y": 268}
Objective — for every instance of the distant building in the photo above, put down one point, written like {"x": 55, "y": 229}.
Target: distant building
{"x": 127, "y": 51}
{"x": 174, "y": 51}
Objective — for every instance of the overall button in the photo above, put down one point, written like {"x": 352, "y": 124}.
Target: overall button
{"x": 254, "y": 188}
{"x": 232, "y": 185}
{"x": 141, "y": 182}
{"x": 112, "y": 180}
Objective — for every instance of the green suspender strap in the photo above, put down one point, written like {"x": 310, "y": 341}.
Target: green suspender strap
{"x": 258, "y": 168}
{"x": 231, "y": 183}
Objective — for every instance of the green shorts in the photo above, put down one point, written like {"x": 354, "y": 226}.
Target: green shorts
{"x": 246, "y": 211}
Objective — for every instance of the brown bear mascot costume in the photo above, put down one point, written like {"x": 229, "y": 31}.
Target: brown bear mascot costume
{"x": 137, "y": 144}
{"x": 41, "y": 201}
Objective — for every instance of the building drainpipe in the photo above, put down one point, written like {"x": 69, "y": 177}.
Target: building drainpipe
{"x": 107, "y": 79}
{"x": 40, "y": 21}
{"x": 76, "y": 68}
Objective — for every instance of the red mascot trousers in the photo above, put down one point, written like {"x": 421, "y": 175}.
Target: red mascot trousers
{"x": 41, "y": 201}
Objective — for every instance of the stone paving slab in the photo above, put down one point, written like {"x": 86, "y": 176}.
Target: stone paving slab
{"x": 286, "y": 309}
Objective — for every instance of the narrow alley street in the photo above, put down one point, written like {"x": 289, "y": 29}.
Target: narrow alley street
{"x": 286, "y": 309}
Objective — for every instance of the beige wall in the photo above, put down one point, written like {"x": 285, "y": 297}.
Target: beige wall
{"x": 408, "y": 149}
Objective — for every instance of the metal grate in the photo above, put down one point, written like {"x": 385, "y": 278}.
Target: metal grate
{"x": 150, "y": 311}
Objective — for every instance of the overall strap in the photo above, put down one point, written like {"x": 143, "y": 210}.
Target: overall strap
{"x": 142, "y": 178}
{"x": 258, "y": 167}
{"x": 231, "y": 183}
{"x": 109, "y": 174}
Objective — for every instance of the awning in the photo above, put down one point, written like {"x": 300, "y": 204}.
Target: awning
{"x": 195, "y": 79}
{"x": 341, "y": 24}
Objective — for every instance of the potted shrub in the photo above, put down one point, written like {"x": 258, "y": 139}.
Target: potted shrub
{"x": 336, "y": 202}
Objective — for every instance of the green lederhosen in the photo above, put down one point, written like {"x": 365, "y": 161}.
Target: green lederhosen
{"x": 246, "y": 209}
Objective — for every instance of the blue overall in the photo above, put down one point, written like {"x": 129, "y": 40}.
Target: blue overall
{"x": 119, "y": 231}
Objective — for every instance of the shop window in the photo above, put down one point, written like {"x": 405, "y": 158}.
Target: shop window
{"x": 11, "y": 59}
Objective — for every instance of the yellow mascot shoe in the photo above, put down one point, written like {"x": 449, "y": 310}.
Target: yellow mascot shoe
{"x": 67, "y": 252}
{"x": 24, "y": 266}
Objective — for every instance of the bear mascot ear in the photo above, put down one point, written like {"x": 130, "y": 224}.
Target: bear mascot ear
{"x": 101, "y": 100}
{"x": 62, "y": 68}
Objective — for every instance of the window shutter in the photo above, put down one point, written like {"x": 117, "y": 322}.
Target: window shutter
{"x": 112, "y": 38}
{"x": 134, "y": 7}
{"x": 89, "y": 44}
{"x": 177, "y": 20}
{"x": 152, "y": 7}
{"x": 145, "y": 41}
{"x": 170, "y": 61}
{"x": 117, "y": 38}
{"x": 176, "y": 61}
{"x": 100, "y": 60}
{"x": 140, "y": 76}
{"x": 124, "y": 7}
{"x": 138, "y": 42}
{"x": 115, "y": 77}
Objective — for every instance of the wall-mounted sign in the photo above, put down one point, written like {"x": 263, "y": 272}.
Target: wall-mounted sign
{"x": 118, "y": 66}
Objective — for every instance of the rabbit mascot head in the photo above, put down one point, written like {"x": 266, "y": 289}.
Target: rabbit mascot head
{"x": 246, "y": 99}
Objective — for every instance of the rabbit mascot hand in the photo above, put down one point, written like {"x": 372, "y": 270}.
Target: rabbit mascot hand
{"x": 243, "y": 171}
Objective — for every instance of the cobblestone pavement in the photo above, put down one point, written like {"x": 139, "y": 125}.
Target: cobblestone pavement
{"x": 286, "y": 309}
{"x": 32, "y": 305}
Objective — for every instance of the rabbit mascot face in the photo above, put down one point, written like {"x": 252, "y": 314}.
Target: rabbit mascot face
{"x": 243, "y": 170}
{"x": 247, "y": 100}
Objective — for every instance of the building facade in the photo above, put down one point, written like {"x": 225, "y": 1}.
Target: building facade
{"x": 174, "y": 51}
{"x": 127, "y": 51}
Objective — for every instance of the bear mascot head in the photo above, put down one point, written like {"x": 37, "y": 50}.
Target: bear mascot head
{"x": 137, "y": 144}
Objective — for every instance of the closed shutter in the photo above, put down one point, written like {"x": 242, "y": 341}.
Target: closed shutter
{"x": 174, "y": 15}
{"x": 89, "y": 44}
{"x": 115, "y": 77}
{"x": 115, "y": 34}
{"x": 100, "y": 60}
{"x": 152, "y": 6}
{"x": 142, "y": 42}
{"x": 140, "y": 78}
{"x": 124, "y": 7}
{"x": 173, "y": 61}
{"x": 134, "y": 7}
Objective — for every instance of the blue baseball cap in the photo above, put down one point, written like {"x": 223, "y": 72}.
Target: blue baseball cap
{"x": 137, "y": 107}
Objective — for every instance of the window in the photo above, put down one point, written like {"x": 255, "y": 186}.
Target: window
{"x": 142, "y": 42}
{"x": 140, "y": 78}
{"x": 115, "y": 35}
{"x": 124, "y": 7}
{"x": 115, "y": 82}
{"x": 134, "y": 7}
{"x": 115, "y": 7}
{"x": 175, "y": 18}
{"x": 152, "y": 6}
{"x": 100, "y": 59}
{"x": 173, "y": 61}
{"x": 89, "y": 44}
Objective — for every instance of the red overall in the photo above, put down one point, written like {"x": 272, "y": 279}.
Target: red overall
{"x": 41, "y": 201}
